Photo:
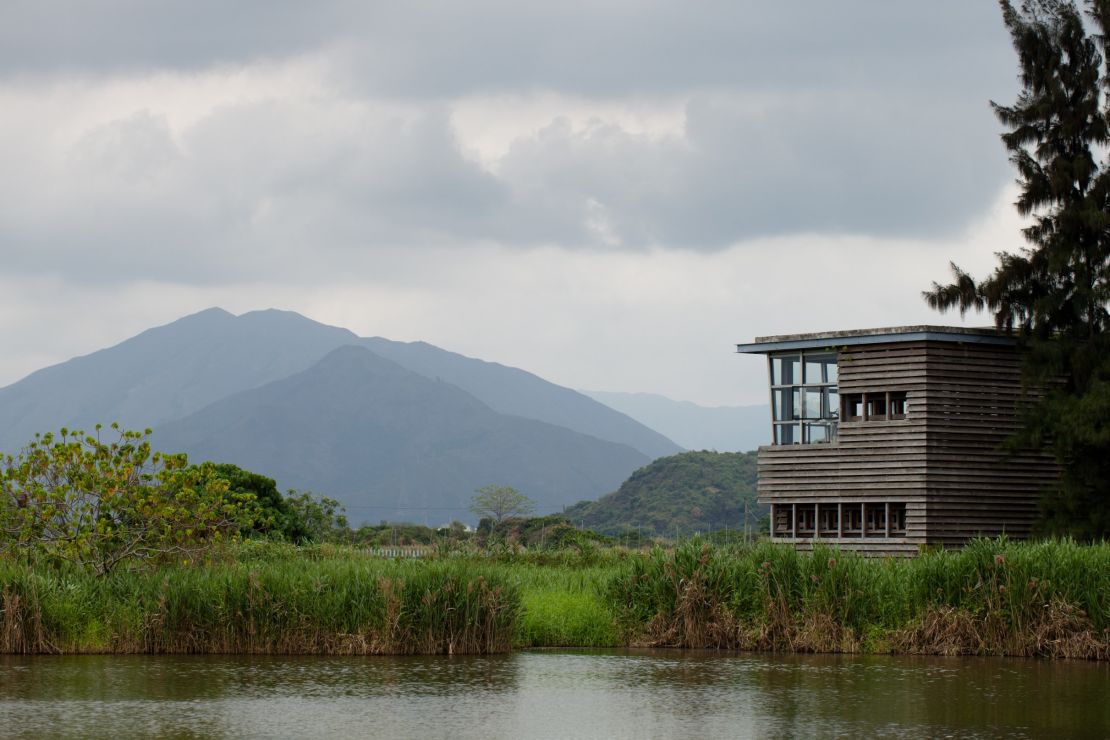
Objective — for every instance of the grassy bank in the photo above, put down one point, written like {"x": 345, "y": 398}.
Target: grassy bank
{"x": 270, "y": 600}
{"x": 1049, "y": 599}
{"x": 994, "y": 598}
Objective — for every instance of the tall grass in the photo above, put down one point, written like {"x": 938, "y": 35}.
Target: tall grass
{"x": 993, "y": 597}
{"x": 278, "y": 602}
{"x": 563, "y": 605}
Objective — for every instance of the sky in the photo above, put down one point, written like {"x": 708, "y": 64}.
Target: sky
{"x": 609, "y": 194}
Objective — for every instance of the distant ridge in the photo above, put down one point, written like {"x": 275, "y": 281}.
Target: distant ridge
{"x": 171, "y": 371}
{"x": 721, "y": 428}
{"x": 387, "y": 427}
{"x": 165, "y": 373}
{"x": 392, "y": 444}
{"x": 513, "y": 391}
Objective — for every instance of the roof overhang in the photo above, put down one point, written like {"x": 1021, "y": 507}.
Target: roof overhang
{"x": 889, "y": 335}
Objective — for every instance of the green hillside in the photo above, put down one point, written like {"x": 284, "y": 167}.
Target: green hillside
{"x": 685, "y": 493}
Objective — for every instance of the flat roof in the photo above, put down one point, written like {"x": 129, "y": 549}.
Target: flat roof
{"x": 884, "y": 335}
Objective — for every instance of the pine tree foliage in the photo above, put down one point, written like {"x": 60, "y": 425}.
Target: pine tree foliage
{"x": 1053, "y": 293}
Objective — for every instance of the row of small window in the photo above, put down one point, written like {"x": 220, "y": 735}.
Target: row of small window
{"x": 839, "y": 520}
{"x": 875, "y": 406}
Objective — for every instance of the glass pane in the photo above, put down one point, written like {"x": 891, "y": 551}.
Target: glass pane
{"x": 786, "y": 434}
{"x": 787, "y": 404}
{"x": 786, "y": 370}
{"x": 813, "y": 403}
{"x": 832, "y": 404}
{"x": 813, "y": 368}
{"x": 816, "y": 433}
{"x": 820, "y": 368}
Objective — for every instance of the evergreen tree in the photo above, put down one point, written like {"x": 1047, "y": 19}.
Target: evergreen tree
{"x": 1053, "y": 294}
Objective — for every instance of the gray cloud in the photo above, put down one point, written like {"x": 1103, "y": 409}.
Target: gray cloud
{"x": 863, "y": 117}
{"x": 447, "y": 48}
{"x": 252, "y": 188}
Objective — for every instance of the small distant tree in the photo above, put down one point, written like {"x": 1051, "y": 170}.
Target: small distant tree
{"x": 269, "y": 513}
{"x": 315, "y": 519}
{"x": 298, "y": 516}
{"x": 500, "y": 502}
{"x": 98, "y": 504}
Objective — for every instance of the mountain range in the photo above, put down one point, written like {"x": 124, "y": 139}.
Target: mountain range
{"x": 393, "y": 430}
{"x": 720, "y": 428}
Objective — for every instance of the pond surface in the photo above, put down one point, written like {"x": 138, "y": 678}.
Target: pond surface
{"x": 579, "y": 694}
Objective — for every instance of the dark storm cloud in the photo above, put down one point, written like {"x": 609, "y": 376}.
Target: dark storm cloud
{"x": 595, "y": 47}
{"x": 860, "y": 117}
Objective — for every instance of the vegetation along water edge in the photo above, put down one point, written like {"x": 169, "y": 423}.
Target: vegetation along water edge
{"x": 996, "y": 597}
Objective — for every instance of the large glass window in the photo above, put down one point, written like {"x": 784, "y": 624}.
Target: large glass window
{"x": 805, "y": 404}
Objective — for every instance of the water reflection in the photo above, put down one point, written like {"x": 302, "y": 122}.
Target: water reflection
{"x": 551, "y": 694}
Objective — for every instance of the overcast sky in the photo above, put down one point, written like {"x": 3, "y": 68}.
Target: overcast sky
{"x": 608, "y": 193}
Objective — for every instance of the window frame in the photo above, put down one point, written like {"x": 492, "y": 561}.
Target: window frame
{"x": 798, "y": 428}
{"x": 867, "y": 400}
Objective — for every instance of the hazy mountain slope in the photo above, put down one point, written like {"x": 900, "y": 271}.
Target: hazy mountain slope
{"x": 513, "y": 391}
{"x": 722, "y": 428}
{"x": 686, "y": 493}
{"x": 165, "y": 373}
{"x": 171, "y": 371}
{"x": 392, "y": 444}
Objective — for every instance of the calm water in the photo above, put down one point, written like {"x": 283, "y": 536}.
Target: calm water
{"x": 552, "y": 694}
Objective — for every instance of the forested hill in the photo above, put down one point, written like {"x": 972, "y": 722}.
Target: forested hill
{"x": 688, "y": 492}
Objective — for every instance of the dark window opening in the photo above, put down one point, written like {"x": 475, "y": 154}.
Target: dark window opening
{"x": 897, "y": 404}
{"x": 853, "y": 407}
{"x": 828, "y": 519}
{"x": 806, "y": 519}
{"x": 782, "y": 521}
{"x": 897, "y": 520}
{"x": 876, "y": 406}
{"x": 875, "y": 519}
{"x": 843, "y": 520}
{"x": 853, "y": 520}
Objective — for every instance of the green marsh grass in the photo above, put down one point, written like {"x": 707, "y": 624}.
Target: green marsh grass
{"x": 995, "y": 597}
{"x": 273, "y": 600}
{"x": 564, "y": 606}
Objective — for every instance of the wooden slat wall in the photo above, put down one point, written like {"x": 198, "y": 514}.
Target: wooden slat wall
{"x": 942, "y": 460}
{"x": 972, "y": 486}
{"x": 875, "y": 461}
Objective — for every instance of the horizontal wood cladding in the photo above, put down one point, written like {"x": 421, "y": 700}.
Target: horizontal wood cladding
{"x": 974, "y": 487}
{"x": 871, "y": 459}
{"x": 944, "y": 460}
{"x": 901, "y": 547}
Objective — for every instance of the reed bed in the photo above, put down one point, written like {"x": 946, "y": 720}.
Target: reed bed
{"x": 994, "y": 597}
{"x": 307, "y": 603}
